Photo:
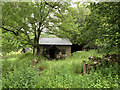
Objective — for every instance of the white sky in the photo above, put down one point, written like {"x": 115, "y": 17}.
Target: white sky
{"x": 62, "y": 0}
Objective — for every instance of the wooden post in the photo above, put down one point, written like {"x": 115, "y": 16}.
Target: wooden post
{"x": 84, "y": 67}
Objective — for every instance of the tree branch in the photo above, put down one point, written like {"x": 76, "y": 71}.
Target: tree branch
{"x": 49, "y": 4}
{"x": 41, "y": 10}
{"x": 40, "y": 23}
{"x": 15, "y": 33}
{"x": 28, "y": 37}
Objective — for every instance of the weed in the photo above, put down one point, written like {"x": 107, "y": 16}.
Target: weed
{"x": 18, "y": 72}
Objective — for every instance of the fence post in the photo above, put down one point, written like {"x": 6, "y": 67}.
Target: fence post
{"x": 84, "y": 67}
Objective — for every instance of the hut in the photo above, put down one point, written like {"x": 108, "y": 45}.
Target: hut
{"x": 54, "y": 48}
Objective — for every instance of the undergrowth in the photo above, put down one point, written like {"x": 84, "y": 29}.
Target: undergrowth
{"x": 18, "y": 72}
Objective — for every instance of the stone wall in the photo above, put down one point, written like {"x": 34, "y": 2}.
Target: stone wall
{"x": 41, "y": 50}
{"x": 67, "y": 48}
{"x": 58, "y": 55}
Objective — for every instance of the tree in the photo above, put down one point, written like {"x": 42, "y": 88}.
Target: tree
{"x": 94, "y": 23}
{"x": 10, "y": 43}
{"x": 26, "y": 20}
{"x": 72, "y": 24}
{"x": 105, "y": 19}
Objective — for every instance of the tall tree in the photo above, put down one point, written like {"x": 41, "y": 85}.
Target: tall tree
{"x": 26, "y": 20}
{"x": 105, "y": 19}
{"x": 72, "y": 24}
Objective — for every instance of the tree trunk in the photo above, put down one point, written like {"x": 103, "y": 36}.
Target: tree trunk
{"x": 36, "y": 47}
{"x": 36, "y": 50}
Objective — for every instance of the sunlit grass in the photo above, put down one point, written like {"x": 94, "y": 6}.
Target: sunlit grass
{"x": 64, "y": 73}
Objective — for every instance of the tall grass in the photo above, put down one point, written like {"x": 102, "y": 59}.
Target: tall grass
{"x": 18, "y": 72}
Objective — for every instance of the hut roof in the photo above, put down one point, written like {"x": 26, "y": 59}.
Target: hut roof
{"x": 54, "y": 41}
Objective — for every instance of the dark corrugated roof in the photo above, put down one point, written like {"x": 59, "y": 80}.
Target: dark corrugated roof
{"x": 54, "y": 41}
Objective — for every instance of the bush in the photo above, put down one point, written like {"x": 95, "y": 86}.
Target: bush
{"x": 18, "y": 72}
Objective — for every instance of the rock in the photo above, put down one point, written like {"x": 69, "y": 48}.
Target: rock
{"x": 95, "y": 63}
{"x": 93, "y": 58}
{"x": 34, "y": 62}
{"x": 33, "y": 67}
{"x": 26, "y": 49}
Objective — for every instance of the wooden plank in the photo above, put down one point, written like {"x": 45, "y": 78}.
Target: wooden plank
{"x": 84, "y": 67}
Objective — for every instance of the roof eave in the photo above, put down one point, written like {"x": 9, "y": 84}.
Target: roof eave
{"x": 56, "y": 44}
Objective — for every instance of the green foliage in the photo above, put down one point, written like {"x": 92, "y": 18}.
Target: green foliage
{"x": 93, "y": 23}
{"x": 10, "y": 43}
{"x": 18, "y": 72}
{"x": 97, "y": 23}
{"x": 106, "y": 77}
{"x": 71, "y": 25}
{"x": 45, "y": 35}
{"x": 26, "y": 20}
{"x": 104, "y": 20}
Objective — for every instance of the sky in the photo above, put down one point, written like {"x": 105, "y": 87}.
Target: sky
{"x": 63, "y": 0}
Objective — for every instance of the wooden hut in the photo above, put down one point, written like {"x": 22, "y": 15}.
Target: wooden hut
{"x": 54, "y": 48}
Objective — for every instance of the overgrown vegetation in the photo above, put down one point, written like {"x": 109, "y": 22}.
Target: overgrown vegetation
{"x": 18, "y": 72}
{"x": 86, "y": 24}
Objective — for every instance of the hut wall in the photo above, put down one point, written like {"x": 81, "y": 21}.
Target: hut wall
{"x": 67, "y": 48}
{"x": 41, "y": 50}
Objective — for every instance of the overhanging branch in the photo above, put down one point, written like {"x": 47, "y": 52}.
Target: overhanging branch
{"x": 15, "y": 33}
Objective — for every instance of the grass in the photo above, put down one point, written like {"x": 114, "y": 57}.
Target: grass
{"x": 18, "y": 72}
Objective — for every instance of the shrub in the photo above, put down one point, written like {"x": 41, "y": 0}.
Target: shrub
{"x": 18, "y": 73}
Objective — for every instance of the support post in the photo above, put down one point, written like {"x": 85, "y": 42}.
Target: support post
{"x": 84, "y": 67}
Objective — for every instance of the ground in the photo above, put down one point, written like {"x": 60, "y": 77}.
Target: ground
{"x": 19, "y": 72}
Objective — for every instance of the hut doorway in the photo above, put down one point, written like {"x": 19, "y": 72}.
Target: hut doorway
{"x": 52, "y": 53}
